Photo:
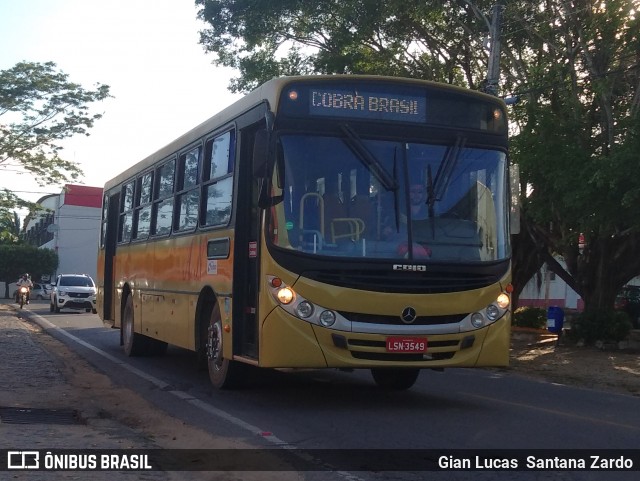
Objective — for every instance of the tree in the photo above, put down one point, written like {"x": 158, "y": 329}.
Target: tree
{"x": 576, "y": 65}
{"x": 573, "y": 64}
{"x": 410, "y": 38}
{"x": 18, "y": 259}
{"x": 41, "y": 107}
{"x": 9, "y": 227}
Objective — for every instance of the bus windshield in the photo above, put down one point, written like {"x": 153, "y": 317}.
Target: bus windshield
{"x": 350, "y": 197}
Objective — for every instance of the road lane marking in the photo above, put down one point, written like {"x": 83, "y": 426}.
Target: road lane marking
{"x": 552, "y": 411}
{"x": 186, "y": 397}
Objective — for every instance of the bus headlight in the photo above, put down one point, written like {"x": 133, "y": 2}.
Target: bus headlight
{"x": 327, "y": 318}
{"x": 477, "y": 320}
{"x": 285, "y": 295}
{"x": 503, "y": 301}
{"x": 304, "y": 309}
{"x": 492, "y": 312}
{"x": 296, "y": 305}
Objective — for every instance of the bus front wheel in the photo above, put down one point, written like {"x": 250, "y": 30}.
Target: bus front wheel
{"x": 395, "y": 379}
{"x": 223, "y": 373}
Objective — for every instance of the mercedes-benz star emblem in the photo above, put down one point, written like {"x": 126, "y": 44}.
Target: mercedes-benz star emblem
{"x": 408, "y": 315}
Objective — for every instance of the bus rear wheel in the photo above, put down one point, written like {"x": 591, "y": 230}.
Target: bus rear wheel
{"x": 133, "y": 343}
{"x": 223, "y": 373}
{"x": 395, "y": 379}
{"x": 137, "y": 344}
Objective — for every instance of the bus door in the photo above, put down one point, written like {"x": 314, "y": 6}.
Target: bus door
{"x": 110, "y": 242}
{"x": 246, "y": 265}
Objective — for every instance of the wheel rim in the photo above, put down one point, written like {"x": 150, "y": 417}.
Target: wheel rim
{"x": 214, "y": 344}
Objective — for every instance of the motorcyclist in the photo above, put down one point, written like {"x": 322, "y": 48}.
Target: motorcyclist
{"x": 25, "y": 280}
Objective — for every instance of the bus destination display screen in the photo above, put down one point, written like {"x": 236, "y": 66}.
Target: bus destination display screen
{"x": 367, "y": 105}
{"x": 448, "y": 108}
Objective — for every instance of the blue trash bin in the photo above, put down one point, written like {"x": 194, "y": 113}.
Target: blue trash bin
{"x": 555, "y": 319}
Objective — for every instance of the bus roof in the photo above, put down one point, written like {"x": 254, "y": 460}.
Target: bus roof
{"x": 269, "y": 92}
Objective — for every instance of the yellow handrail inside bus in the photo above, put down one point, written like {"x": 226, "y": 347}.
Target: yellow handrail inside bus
{"x": 320, "y": 206}
{"x": 355, "y": 225}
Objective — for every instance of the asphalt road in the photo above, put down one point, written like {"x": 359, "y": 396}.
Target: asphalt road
{"x": 456, "y": 409}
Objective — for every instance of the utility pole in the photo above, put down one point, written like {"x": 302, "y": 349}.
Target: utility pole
{"x": 493, "y": 72}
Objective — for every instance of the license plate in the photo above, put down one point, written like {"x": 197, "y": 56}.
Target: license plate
{"x": 406, "y": 344}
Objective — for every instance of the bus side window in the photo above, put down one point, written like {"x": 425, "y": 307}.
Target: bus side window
{"x": 162, "y": 212}
{"x": 126, "y": 215}
{"x": 218, "y": 180}
{"x": 142, "y": 212}
{"x": 188, "y": 197}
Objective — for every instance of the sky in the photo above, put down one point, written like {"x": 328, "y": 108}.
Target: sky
{"x": 147, "y": 51}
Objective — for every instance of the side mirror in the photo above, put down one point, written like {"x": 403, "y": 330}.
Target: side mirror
{"x": 260, "y": 152}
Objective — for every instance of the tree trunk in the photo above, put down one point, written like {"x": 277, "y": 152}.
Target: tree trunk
{"x": 606, "y": 265}
{"x": 527, "y": 258}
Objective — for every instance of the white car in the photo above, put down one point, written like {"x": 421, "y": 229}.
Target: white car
{"x": 73, "y": 291}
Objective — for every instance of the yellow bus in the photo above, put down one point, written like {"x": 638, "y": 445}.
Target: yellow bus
{"x": 319, "y": 222}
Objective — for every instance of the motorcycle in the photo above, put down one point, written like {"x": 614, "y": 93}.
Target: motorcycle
{"x": 23, "y": 293}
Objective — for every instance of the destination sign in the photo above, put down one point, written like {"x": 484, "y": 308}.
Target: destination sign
{"x": 367, "y": 105}
{"x": 393, "y": 102}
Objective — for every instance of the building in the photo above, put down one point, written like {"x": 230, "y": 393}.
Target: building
{"x": 545, "y": 289}
{"x": 69, "y": 223}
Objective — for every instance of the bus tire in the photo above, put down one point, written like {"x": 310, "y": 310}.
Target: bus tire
{"x": 396, "y": 379}
{"x": 134, "y": 344}
{"x": 223, "y": 373}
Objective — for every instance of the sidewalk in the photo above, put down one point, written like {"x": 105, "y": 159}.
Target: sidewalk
{"x": 52, "y": 399}
{"x": 39, "y": 408}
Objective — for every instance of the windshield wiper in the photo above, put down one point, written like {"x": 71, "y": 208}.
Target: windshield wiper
{"x": 446, "y": 169}
{"x": 396, "y": 205}
{"x": 354, "y": 142}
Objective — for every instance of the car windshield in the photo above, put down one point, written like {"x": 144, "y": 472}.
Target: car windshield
{"x": 352, "y": 197}
{"x": 77, "y": 281}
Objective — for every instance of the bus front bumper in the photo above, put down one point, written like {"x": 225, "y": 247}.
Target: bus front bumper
{"x": 289, "y": 342}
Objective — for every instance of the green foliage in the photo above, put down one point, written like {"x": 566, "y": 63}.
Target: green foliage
{"x": 573, "y": 66}
{"x": 15, "y": 260}
{"x": 600, "y": 325}
{"x": 42, "y": 107}
{"x": 9, "y": 227}
{"x": 411, "y": 38}
{"x": 534, "y": 317}
{"x": 577, "y": 134}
